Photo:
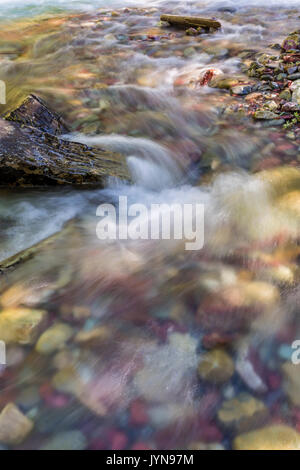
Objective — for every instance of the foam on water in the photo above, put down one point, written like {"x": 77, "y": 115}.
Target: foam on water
{"x": 151, "y": 164}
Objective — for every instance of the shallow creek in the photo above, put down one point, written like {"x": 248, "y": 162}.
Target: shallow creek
{"x": 142, "y": 344}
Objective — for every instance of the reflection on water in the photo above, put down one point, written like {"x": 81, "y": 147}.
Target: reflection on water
{"x": 141, "y": 344}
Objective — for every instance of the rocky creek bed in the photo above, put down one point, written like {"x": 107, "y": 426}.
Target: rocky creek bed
{"x": 143, "y": 345}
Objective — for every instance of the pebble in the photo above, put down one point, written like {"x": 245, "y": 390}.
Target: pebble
{"x": 295, "y": 87}
{"x": 94, "y": 337}
{"x": 216, "y": 366}
{"x": 285, "y": 352}
{"x": 242, "y": 412}
{"x": 205, "y": 446}
{"x": 21, "y": 325}
{"x": 290, "y": 203}
{"x": 262, "y": 114}
{"x": 28, "y": 398}
{"x": 69, "y": 440}
{"x": 248, "y": 374}
{"x": 54, "y": 338}
{"x": 294, "y": 76}
{"x": 189, "y": 51}
{"x": 192, "y": 32}
{"x": 275, "y": 437}
{"x": 138, "y": 413}
{"x": 270, "y": 105}
{"x": 222, "y": 82}
{"x": 291, "y": 382}
{"x": 291, "y": 42}
{"x": 14, "y": 425}
{"x": 290, "y": 107}
{"x": 241, "y": 90}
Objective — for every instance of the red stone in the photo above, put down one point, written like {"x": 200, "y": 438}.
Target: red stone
{"x": 208, "y": 404}
{"x": 138, "y": 413}
{"x": 98, "y": 444}
{"x": 118, "y": 440}
{"x": 52, "y": 398}
{"x": 207, "y": 77}
{"x": 274, "y": 380}
{"x": 140, "y": 446}
{"x": 208, "y": 432}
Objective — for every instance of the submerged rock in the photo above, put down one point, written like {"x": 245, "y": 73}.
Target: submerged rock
{"x": 263, "y": 114}
{"x": 290, "y": 203}
{"x": 68, "y": 440}
{"x": 216, "y": 366}
{"x": 281, "y": 179}
{"x": 14, "y": 425}
{"x": 295, "y": 87}
{"x": 241, "y": 89}
{"x": 21, "y": 325}
{"x": 275, "y": 437}
{"x": 54, "y": 338}
{"x": 292, "y": 382}
{"x": 242, "y": 412}
{"x": 292, "y": 41}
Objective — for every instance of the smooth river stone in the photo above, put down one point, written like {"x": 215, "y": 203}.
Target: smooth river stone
{"x": 290, "y": 203}
{"x": 216, "y": 366}
{"x": 21, "y": 325}
{"x": 69, "y": 440}
{"x": 281, "y": 179}
{"x": 14, "y": 425}
{"x": 291, "y": 384}
{"x": 242, "y": 412}
{"x": 54, "y": 338}
{"x": 275, "y": 437}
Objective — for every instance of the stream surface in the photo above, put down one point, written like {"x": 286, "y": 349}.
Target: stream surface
{"x": 147, "y": 345}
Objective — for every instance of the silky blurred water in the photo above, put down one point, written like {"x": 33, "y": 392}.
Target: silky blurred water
{"x": 143, "y": 313}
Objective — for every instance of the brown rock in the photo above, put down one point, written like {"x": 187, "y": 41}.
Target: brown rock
{"x": 275, "y": 437}
{"x": 242, "y": 412}
{"x": 94, "y": 337}
{"x": 291, "y": 384}
{"x": 54, "y": 338}
{"x": 14, "y": 426}
{"x": 21, "y": 325}
{"x": 216, "y": 366}
{"x": 281, "y": 179}
{"x": 290, "y": 203}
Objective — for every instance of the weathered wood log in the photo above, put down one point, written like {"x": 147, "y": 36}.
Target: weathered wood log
{"x": 30, "y": 156}
{"x": 190, "y": 21}
{"x": 34, "y": 112}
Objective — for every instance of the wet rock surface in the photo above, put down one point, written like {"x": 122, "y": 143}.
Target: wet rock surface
{"x": 275, "y": 437}
{"x": 14, "y": 425}
{"x": 31, "y": 156}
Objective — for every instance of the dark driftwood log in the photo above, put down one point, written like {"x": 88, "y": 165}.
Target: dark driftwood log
{"x": 190, "y": 21}
{"x": 29, "y": 156}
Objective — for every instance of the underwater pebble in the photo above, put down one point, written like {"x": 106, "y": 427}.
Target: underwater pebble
{"x": 69, "y": 440}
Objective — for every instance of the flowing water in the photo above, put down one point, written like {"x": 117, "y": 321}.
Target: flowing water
{"x": 130, "y": 321}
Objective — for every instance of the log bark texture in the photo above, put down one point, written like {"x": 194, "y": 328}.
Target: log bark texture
{"x": 190, "y": 21}
{"x": 31, "y": 156}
